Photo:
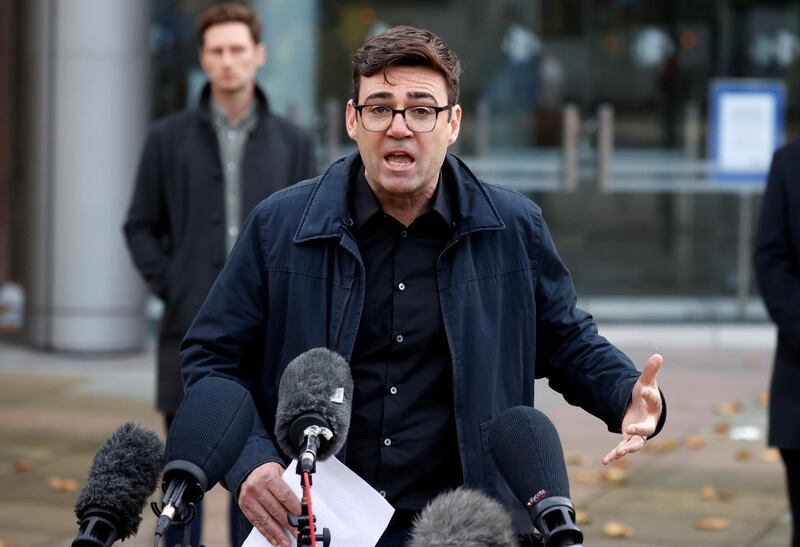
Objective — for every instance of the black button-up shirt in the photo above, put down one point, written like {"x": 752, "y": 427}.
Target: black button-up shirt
{"x": 402, "y": 437}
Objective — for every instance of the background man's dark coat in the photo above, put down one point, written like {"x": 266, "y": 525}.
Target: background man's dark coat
{"x": 176, "y": 221}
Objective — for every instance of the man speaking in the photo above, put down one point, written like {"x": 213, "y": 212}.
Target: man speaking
{"x": 445, "y": 293}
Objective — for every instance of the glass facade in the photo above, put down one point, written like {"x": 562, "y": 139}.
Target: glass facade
{"x": 599, "y": 110}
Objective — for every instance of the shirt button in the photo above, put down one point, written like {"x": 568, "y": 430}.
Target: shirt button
{"x": 393, "y": 390}
{"x": 382, "y": 493}
{"x": 233, "y": 231}
{"x": 387, "y": 442}
{"x": 402, "y": 286}
{"x": 404, "y": 233}
{"x": 399, "y": 338}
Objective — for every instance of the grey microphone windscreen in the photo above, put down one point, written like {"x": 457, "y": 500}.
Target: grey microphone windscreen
{"x": 123, "y": 474}
{"x": 466, "y": 518}
{"x": 316, "y": 381}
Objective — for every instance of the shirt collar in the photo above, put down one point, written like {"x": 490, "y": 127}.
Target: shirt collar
{"x": 247, "y": 122}
{"x": 365, "y": 205}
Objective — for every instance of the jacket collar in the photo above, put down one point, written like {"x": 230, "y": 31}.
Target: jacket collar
{"x": 204, "y": 105}
{"x": 327, "y": 211}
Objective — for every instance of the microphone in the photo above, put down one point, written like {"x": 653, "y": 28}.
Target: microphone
{"x": 210, "y": 428}
{"x": 463, "y": 517}
{"x": 527, "y": 450}
{"x": 315, "y": 397}
{"x": 122, "y": 476}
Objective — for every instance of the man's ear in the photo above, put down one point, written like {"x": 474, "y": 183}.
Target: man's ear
{"x": 454, "y": 123}
{"x": 261, "y": 53}
{"x": 200, "y": 59}
{"x": 351, "y": 119}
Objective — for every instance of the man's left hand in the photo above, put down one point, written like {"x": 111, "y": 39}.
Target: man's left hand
{"x": 643, "y": 412}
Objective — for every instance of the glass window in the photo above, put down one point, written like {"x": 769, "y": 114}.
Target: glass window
{"x": 650, "y": 233}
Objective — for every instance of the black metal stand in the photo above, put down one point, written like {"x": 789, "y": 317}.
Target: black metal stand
{"x": 184, "y": 520}
{"x": 303, "y": 522}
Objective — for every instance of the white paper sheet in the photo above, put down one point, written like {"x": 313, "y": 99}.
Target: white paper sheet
{"x": 355, "y": 513}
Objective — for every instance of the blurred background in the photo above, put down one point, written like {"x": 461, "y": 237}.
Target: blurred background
{"x": 599, "y": 110}
{"x": 606, "y": 112}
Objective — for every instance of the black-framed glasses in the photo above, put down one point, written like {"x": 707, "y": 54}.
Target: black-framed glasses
{"x": 419, "y": 119}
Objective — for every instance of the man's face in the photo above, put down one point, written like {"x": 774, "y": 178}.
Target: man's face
{"x": 398, "y": 162}
{"x": 230, "y": 57}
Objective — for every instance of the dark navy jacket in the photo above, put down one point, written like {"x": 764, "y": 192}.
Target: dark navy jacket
{"x": 777, "y": 267}
{"x": 295, "y": 280}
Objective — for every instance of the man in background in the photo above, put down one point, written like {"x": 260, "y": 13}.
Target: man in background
{"x": 201, "y": 172}
{"x": 777, "y": 267}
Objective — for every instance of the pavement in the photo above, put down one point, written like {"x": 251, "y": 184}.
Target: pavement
{"x": 708, "y": 468}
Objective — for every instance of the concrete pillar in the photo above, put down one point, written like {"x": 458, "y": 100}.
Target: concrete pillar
{"x": 87, "y": 118}
{"x": 7, "y": 69}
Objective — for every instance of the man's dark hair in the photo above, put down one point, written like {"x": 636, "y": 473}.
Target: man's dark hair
{"x": 407, "y": 46}
{"x": 229, "y": 12}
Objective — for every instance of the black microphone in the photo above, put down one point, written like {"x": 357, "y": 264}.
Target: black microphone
{"x": 315, "y": 397}
{"x": 463, "y": 517}
{"x": 122, "y": 476}
{"x": 210, "y": 428}
{"x": 527, "y": 450}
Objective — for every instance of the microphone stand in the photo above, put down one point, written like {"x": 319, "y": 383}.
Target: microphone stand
{"x": 185, "y": 524}
{"x": 306, "y": 467}
{"x": 182, "y": 520}
{"x": 184, "y": 485}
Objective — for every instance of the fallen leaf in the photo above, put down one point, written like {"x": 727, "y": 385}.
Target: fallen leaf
{"x": 728, "y": 408}
{"x": 744, "y": 455}
{"x": 620, "y": 462}
{"x": 771, "y": 455}
{"x": 615, "y": 476}
{"x": 712, "y": 524}
{"x": 583, "y": 518}
{"x": 723, "y": 428}
{"x": 694, "y": 443}
{"x": 667, "y": 445}
{"x": 55, "y": 483}
{"x": 708, "y": 492}
{"x": 21, "y": 465}
{"x": 616, "y": 529}
{"x": 727, "y": 495}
